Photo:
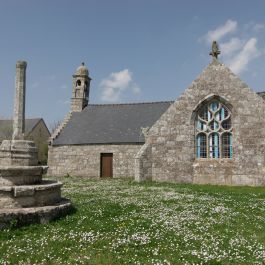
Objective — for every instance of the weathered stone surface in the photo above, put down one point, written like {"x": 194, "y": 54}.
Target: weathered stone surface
{"x": 81, "y": 87}
{"x": 18, "y": 152}
{"x": 142, "y": 164}
{"x": 24, "y": 216}
{"x": 169, "y": 151}
{"x": 46, "y": 193}
{"x": 170, "y": 155}
{"x": 40, "y": 136}
{"x": 21, "y": 184}
{"x": 19, "y": 106}
{"x": 21, "y": 175}
{"x": 84, "y": 160}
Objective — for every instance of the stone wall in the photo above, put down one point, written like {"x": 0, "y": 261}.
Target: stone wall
{"x": 172, "y": 143}
{"x": 84, "y": 160}
{"x": 40, "y": 135}
{"x": 143, "y": 163}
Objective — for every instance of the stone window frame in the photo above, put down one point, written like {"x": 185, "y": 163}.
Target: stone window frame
{"x": 223, "y": 147}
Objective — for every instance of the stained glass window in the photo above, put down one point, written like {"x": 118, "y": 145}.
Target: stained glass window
{"x": 213, "y": 131}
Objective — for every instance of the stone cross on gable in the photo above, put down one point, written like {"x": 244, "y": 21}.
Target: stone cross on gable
{"x": 215, "y": 50}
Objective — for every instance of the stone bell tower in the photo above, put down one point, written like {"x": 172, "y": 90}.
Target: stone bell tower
{"x": 81, "y": 86}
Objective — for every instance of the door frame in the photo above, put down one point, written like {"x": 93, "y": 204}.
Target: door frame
{"x": 101, "y": 164}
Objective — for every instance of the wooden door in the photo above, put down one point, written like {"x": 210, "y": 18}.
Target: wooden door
{"x": 106, "y": 165}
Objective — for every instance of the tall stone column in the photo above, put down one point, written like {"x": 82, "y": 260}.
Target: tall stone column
{"x": 19, "y": 104}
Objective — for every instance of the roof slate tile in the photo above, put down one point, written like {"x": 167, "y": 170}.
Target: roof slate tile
{"x": 111, "y": 123}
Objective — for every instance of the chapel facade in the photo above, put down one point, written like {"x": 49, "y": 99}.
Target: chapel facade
{"x": 212, "y": 134}
{"x": 100, "y": 140}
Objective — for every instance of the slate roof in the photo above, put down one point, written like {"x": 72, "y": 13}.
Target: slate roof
{"x": 111, "y": 123}
{"x": 6, "y": 127}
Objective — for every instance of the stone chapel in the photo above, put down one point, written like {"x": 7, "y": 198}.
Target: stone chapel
{"x": 214, "y": 133}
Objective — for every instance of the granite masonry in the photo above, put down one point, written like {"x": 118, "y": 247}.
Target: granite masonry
{"x": 24, "y": 197}
{"x": 84, "y": 160}
{"x": 213, "y": 133}
{"x": 169, "y": 153}
{"x": 35, "y": 130}
{"x": 97, "y": 140}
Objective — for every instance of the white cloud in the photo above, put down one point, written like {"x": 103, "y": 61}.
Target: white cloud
{"x": 258, "y": 27}
{"x": 234, "y": 44}
{"x": 249, "y": 52}
{"x": 136, "y": 89}
{"x": 239, "y": 45}
{"x": 113, "y": 87}
{"x": 217, "y": 34}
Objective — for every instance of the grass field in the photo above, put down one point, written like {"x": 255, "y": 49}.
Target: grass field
{"x": 122, "y": 222}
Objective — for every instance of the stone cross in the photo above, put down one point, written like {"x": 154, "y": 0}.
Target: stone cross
{"x": 19, "y": 105}
{"x": 215, "y": 50}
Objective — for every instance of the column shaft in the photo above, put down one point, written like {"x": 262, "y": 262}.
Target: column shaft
{"x": 19, "y": 104}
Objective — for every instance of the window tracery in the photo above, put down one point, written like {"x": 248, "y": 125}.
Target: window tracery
{"x": 213, "y": 134}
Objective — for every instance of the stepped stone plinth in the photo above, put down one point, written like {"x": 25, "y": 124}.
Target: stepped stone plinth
{"x": 19, "y": 153}
{"x": 18, "y": 163}
{"x": 24, "y": 197}
{"x": 21, "y": 175}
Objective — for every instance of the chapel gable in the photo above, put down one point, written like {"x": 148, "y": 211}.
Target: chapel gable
{"x": 211, "y": 134}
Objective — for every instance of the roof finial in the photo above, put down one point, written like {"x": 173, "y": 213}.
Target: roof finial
{"x": 215, "y": 50}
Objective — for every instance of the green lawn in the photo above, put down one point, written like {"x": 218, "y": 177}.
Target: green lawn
{"x": 122, "y": 222}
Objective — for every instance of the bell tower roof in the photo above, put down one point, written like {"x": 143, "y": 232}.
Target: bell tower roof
{"x": 82, "y": 70}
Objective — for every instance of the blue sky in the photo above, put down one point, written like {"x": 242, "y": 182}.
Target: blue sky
{"x": 138, "y": 50}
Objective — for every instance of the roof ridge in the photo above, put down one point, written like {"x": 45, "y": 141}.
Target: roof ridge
{"x": 132, "y": 103}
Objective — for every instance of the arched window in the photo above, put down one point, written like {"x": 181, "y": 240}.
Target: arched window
{"x": 213, "y": 128}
